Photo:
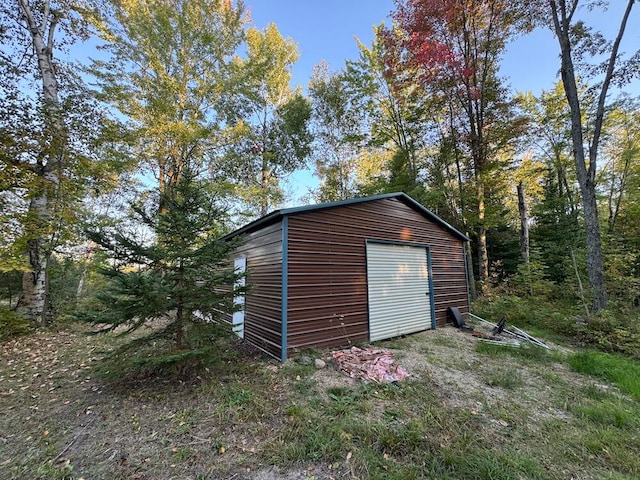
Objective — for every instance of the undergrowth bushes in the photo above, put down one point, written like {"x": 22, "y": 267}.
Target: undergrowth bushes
{"x": 614, "y": 330}
{"x": 12, "y": 324}
{"x": 537, "y": 312}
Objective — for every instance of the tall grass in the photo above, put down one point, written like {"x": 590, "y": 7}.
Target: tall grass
{"x": 621, "y": 371}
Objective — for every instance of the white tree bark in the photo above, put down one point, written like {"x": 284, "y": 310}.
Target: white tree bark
{"x": 34, "y": 301}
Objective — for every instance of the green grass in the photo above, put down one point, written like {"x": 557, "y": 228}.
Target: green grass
{"x": 509, "y": 379}
{"x": 502, "y": 413}
{"x": 444, "y": 342}
{"x": 412, "y": 436}
{"x": 403, "y": 448}
{"x": 621, "y": 371}
{"x": 294, "y": 369}
{"x": 525, "y": 352}
{"x": 603, "y": 426}
{"x": 606, "y": 413}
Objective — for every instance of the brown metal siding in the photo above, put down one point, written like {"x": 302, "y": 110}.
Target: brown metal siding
{"x": 263, "y": 304}
{"x": 327, "y": 287}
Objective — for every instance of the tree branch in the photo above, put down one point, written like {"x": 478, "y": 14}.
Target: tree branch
{"x": 597, "y": 128}
{"x": 26, "y": 12}
{"x": 573, "y": 9}
{"x": 52, "y": 27}
{"x": 45, "y": 17}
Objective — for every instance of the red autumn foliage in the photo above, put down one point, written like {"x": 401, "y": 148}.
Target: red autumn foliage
{"x": 447, "y": 40}
{"x": 428, "y": 27}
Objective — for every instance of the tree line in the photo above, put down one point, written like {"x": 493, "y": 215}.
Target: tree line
{"x": 186, "y": 124}
{"x": 529, "y": 177}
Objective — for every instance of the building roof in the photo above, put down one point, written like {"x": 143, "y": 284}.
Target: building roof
{"x": 277, "y": 215}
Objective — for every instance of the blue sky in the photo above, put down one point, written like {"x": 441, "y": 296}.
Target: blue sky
{"x": 325, "y": 30}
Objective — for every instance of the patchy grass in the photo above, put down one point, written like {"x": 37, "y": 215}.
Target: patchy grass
{"x": 526, "y": 352}
{"x": 621, "y": 371}
{"x": 470, "y": 410}
{"x": 510, "y": 379}
{"x": 399, "y": 432}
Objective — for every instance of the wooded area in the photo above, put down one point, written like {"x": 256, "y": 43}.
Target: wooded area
{"x": 119, "y": 175}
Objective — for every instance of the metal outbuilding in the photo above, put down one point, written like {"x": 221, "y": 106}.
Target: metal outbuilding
{"x": 353, "y": 271}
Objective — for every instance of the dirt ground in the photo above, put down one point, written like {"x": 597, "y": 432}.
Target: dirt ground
{"x": 61, "y": 420}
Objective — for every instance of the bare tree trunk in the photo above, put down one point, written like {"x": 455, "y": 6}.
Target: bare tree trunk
{"x": 469, "y": 260}
{"x": 264, "y": 185}
{"x": 89, "y": 248}
{"x": 470, "y": 276}
{"x": 564, "y": 190}
{"x": 562, "y": 18}
{"x": 614, "y": 207}
{"x": 524, "y": 224}
{"x": 179, "y": 324}
{"x": 34, "y": 302}
{"x": 595, "y": 267}
{"x": 483, "y": 254}
{"x": 580, "y": 289}
{"x": 524, "y": 234}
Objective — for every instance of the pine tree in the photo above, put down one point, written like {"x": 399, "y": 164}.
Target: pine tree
{"x": 182, "y": 278}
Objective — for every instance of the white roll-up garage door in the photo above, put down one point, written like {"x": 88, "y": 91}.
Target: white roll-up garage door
{"x": 398, "y": 287}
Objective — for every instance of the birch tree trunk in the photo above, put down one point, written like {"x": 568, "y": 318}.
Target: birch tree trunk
{"x": 34, "y": 301}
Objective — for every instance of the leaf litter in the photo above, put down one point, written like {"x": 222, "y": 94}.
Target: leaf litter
{"x": 59, "y": 413}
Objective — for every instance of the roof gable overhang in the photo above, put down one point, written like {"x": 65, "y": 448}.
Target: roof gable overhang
{"x": 277, "y": 215}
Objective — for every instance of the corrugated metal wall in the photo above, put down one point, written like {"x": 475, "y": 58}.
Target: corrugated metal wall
{"x": 327, "y": 288}
{"x": 263, "y": 303}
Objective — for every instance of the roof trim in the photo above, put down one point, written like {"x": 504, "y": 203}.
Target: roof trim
{"x": 277, "y": 214}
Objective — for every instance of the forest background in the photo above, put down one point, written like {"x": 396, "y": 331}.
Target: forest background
{"x": 118, "y": 176}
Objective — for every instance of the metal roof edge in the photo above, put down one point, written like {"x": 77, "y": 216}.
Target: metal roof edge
{"x": 273, "y": 216}
{"x": 433, "y": 216}
{"x": 266, "y": 220}
{"x": 277, "y": 214}
{"x": 339, "y": 203}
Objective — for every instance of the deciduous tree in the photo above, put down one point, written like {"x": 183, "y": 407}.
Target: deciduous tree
{"x": 170, "y": 73}
{"x": 454, "y": 47}
{"x": 337, "y": 127}
{"x": 548, "y": 136}
{"x": 173, "y": 73}
{"x": 51, "y": 131}
{"x": 620, "y": 176}
{"x": 272, "y": 138}
{"x": 578, "y": 44}
{"x": 398, "y": 114}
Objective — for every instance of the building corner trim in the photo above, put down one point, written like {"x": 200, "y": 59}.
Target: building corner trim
{"x": 284, "y": 287}
{"x": 432, "y": 300}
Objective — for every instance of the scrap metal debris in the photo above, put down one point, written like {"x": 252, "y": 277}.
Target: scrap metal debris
{"x": 454, "y": 315}
{"x": 507, "y": 336}
{"x": 371, "y": 364}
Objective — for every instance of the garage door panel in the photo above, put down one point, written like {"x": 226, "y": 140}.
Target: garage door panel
{"x": 398, "y": 288}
